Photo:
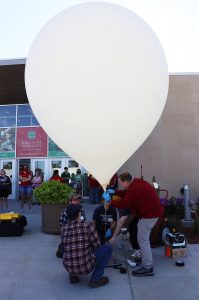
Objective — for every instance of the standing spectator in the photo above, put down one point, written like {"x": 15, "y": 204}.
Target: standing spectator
{"x": 83, "y": 253}
{"x": 78, "y": 182}
{"x": 113, "y": 184}
{"x": 72, "y": 180}
{"x": 36, "y": 182}
{"x": 65, "y": 175}
{"x": 37, "y": 179}
{"x": 5, "y": 184}
{"x": 56, "y": 176}
{"x": 104, "y": 221}
{"x": 25, "y": 188}
{"x": 94, "y": 187}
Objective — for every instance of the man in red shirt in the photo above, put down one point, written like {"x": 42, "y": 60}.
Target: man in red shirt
{"x": 94, "y": 188}
{"x": 141, "y": 198}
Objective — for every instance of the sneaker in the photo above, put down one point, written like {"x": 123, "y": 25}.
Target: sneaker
{"x": 143, "y": 271}
{"x": 136, "y": 255}
{"x": 73, "y": 278}
{"x": 102, "y": 281}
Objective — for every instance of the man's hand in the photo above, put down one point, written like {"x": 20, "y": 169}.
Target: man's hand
{"x": 106, "y": 196}
{"x": 110, "y": 191}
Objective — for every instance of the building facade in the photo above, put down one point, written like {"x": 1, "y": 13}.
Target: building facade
{"x": 171, "y": 152}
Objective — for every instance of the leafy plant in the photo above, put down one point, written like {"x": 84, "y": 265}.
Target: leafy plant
{"x": 51, "y": 192}
{"x": 174, "y": 207}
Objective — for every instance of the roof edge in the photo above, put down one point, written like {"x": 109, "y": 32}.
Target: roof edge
{"x": 10, "y": 62}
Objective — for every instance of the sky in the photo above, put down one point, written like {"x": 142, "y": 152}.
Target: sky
{"x": 175, "y": 22}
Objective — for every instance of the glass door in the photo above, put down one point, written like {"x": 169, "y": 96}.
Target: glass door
{"x": 9, "y": 165}
{"x": 57, "y": 164}
{"x": 41, "y": 164}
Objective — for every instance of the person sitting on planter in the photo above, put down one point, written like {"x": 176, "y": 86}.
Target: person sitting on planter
{"x": 56, "y": 176}
{"x": 83, "y": 252}
{"x": 76, "y": 200}
{"x": 105, "y": 220}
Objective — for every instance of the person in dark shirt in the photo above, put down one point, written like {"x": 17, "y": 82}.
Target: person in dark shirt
{"x": 65, "y": 175}
{"x": 105, "y": 220}
{"x": 5, "y": 184}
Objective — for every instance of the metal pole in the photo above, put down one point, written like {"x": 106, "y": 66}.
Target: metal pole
{"x": 187, "y": 221}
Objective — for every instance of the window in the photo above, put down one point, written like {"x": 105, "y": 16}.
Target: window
{"x": 25, "y": 116}
{"x": 7, "y": 115}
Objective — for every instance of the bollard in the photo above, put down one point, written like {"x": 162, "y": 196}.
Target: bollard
{"x": 187, "y": 221}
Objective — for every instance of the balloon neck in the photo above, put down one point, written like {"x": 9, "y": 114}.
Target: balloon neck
{"x": 104, "y": 185}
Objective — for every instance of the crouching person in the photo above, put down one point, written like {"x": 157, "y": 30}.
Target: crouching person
{"x": 83, "y": 252}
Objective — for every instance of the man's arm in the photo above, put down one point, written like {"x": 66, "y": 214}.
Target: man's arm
{"x": 126, "y": 201}
{"x": 118, "y": 228}
{"x": 113, "y": 225}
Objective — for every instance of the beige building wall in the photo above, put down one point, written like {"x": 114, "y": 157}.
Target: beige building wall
{"x": 171, "y": 152}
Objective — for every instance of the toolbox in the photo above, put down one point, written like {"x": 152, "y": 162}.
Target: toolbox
{"x": 12, "y": 224}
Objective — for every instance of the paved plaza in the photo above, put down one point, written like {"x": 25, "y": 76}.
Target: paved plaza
{"x": 30, "y": 270}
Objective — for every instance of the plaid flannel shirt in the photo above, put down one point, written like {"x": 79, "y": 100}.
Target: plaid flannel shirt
{"x": 79, "y": 239}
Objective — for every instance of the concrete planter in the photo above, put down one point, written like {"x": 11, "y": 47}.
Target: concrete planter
{"x": 50, "y": 217}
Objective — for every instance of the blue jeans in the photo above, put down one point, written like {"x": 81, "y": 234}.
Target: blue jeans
{"x": 94, "y": 195}
{"x": 103, "y": 255}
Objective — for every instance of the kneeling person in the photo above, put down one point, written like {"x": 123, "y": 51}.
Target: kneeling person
{"x": 83, "y": 252}
{"x": 105, "y": 220}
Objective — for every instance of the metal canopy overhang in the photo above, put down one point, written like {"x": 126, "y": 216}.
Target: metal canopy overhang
{"x": 12, "y": 85}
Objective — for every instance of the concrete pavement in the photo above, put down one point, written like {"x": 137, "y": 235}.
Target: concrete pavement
{"x": 30, "y": 270}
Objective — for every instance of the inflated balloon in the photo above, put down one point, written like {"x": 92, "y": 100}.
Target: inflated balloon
{"x": 96, "y": 78}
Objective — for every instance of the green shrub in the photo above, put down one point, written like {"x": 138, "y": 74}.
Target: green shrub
{"x": 53, "y": 192}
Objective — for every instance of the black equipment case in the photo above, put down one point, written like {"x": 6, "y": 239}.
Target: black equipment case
{"x": 12, "y": 224}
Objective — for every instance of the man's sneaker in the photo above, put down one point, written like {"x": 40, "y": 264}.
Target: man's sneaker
{"x": 73, "y": 278}
{"x": 142, "y": 271}
{"x": 136, "y": 255}
{"x": 102, "y": 281}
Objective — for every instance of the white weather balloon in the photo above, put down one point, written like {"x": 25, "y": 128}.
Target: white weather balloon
{"x": 96, "y": 78}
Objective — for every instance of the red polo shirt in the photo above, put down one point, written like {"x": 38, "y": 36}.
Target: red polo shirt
{"x": 141, "y": 198}
{"x": 92, "y": 182}
{"x": 25, "y": 174}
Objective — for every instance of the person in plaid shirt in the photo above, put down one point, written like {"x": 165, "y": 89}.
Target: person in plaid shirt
{"x": 83, "y": 252}
{"x": 74, "y": 199}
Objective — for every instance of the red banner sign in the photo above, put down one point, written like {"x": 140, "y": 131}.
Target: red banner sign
{"x": 31, "y": 142}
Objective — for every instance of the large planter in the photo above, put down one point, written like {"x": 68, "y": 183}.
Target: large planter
{"x": 50, "y": 217}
